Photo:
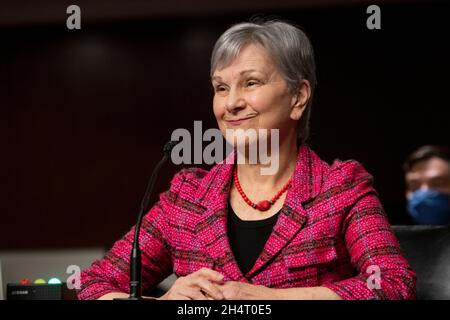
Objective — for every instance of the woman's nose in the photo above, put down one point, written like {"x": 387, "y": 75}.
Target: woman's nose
{"x": 235, "y": 101}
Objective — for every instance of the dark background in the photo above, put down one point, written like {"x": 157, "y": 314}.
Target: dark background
{"x": 84, "y": 113}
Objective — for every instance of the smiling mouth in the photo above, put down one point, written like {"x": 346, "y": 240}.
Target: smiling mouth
{"x": 239, "y": 120}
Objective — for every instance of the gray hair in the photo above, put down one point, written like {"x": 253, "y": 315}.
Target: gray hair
{"x": 288, "y": 46}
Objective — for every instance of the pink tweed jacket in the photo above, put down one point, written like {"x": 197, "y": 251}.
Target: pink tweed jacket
{"x": 332, "y": 232}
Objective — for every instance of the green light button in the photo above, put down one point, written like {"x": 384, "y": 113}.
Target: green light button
{"x": 54, "y": 281}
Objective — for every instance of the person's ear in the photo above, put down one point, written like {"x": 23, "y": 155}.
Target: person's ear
{"x": 300, "y": 100}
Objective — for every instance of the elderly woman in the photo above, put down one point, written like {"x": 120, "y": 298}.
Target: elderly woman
{"x": 309, "y": 231}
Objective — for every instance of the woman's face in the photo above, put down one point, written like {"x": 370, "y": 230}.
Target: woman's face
{"x": 250, "y": 93}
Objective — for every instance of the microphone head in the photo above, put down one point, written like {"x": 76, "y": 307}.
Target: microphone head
{"x": 169, "y": 146}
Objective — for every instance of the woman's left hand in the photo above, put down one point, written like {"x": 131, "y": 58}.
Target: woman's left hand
{"x": 235, "y": 290}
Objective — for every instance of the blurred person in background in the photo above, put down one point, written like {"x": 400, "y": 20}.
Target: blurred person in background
{"x": 427, "y": 175}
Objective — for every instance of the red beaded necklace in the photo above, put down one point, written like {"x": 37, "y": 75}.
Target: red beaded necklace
{"x": 263, "y": 205}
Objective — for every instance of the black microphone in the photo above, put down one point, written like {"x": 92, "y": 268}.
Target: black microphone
{"x": 135, "y": 257}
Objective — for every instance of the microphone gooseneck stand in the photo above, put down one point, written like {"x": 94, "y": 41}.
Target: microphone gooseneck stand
{"x": 135, "y": 257}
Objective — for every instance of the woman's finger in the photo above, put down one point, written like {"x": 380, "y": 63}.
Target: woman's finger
{"x": 177, "y": 296}
{"x": 211, "y": 274}
{"x": 193, "y": 293}
{"x": 210, "y": 288}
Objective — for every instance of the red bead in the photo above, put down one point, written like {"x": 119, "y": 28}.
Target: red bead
{"x": 263, "y": 205}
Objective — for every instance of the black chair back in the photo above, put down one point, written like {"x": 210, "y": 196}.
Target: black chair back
{"x": 427, "y": 249}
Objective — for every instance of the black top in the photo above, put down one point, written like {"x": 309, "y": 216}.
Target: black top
{"x": 248, "y": 237}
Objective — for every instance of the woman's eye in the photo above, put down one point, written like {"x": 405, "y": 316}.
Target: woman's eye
{"x": 252, "y": 83}
{"x": 219, "y": 88}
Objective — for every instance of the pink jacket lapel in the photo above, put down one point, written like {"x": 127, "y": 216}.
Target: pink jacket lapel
{"x": 306, "y": 185}
{"x": 213, "y": 195}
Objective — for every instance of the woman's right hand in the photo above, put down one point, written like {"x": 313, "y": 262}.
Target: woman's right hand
{"x": 200, "y": 285}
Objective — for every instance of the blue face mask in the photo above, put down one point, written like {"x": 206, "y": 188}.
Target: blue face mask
{"x": 429, "y": 207}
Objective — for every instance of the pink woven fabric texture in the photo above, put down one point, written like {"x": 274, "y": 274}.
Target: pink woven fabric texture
{"x": 331, "y": 229}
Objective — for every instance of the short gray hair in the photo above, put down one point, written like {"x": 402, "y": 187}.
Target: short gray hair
{"x": 287, "y": 45}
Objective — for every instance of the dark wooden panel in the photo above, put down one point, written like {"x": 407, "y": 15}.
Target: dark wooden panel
{"x": 83, "y": 115}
